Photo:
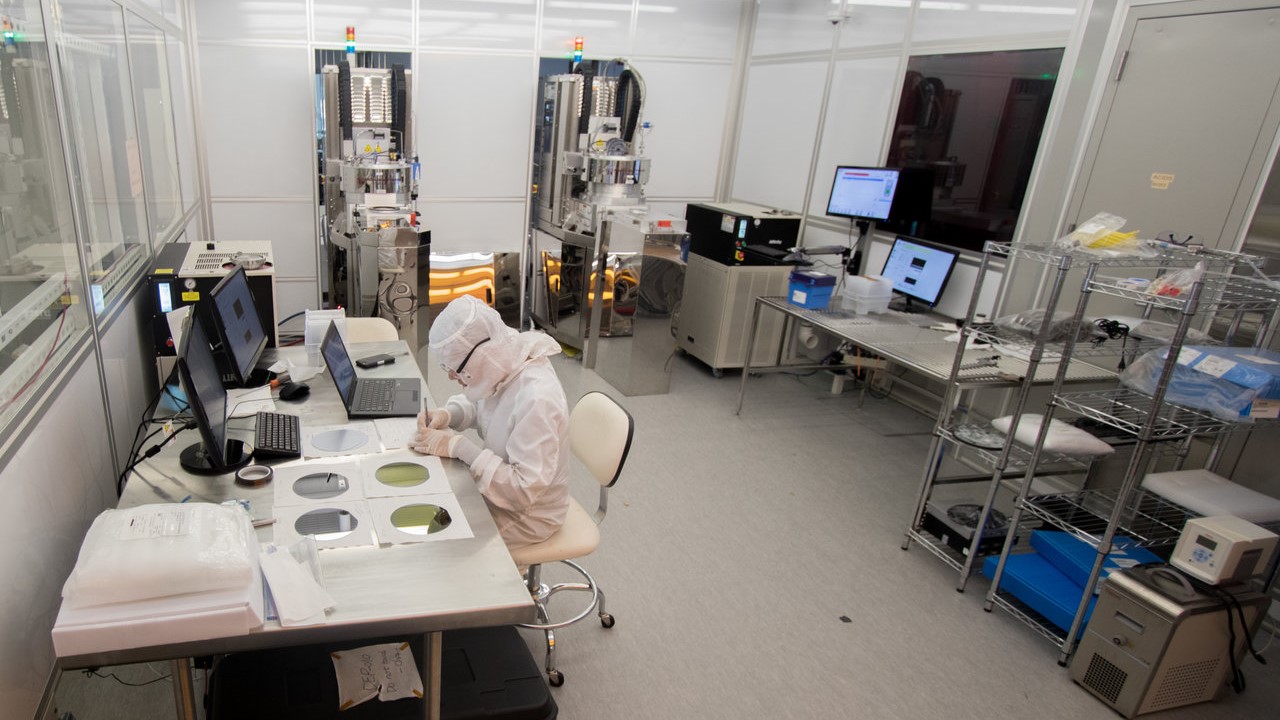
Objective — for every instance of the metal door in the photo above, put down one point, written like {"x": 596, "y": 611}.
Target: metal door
{"x": 1185, "y": 130}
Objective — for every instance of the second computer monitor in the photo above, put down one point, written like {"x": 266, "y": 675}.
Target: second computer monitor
{"x": 919, "y": 271}
{"x": 862, "y": 193}
{"x": 239, "y": 328}
{"x": 202, "y": 382}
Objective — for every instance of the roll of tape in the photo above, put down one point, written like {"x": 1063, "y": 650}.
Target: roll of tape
{"x": 254, "y": 475}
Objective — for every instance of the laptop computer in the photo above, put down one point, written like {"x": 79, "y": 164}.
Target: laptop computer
{"x": 368, "y": 397}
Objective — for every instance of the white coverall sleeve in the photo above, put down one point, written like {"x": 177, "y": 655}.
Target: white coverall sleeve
{"x": 462, "y": 412}
{"x": 533, "y": 457}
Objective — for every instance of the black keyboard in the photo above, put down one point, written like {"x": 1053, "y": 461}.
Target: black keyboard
{"x": 278, "y": 435}
{"x": 375, "y": 395}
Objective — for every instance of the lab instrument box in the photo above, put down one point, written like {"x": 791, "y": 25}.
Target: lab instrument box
{"x": 716, "y": 310}
{"x": 1154, "y": 643}
{"x": 184, "y": 273}
{"x": 741, "y": 233}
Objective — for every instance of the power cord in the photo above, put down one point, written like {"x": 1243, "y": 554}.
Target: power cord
{"x": 1113, "y": 330}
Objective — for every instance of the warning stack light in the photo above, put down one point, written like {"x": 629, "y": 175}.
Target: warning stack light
{"x": 351, "y": 43}
{"x": 577, "y": 50}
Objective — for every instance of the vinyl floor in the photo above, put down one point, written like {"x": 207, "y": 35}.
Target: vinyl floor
{"x": 755, "y": 569}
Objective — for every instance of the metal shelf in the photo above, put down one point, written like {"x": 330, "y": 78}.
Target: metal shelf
{"x": 1147, "y": 519}
{"x": 1051, "y": 352}
{"x": 1220, "y": 292}
{"x": 1173, "y": 257}
{"x": 940, "y": 549}
{"x": 1032, "y": 619}
{"x": 1129, "y": 410}
{"x": 1019, "y": 454}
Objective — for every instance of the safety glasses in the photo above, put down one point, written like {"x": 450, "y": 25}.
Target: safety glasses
{"x": 457, "y": 372}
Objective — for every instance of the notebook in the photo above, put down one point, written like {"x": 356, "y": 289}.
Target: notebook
{"x": 368, "y": 397}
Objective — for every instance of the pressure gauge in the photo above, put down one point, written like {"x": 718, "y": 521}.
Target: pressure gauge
{"x": 189, "y": 283}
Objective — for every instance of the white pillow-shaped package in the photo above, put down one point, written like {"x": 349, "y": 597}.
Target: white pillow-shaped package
{"x": 1062, "y": 438}
{"x": 159, "y": 550}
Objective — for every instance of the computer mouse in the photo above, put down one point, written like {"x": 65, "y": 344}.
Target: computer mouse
{"x": 294, "y": 391}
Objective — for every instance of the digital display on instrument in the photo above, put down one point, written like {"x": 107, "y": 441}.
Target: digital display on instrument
{"x": 1205, "y": 541}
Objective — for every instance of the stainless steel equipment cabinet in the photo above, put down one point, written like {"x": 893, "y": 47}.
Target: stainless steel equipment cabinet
{"x": 1154, "y": 644}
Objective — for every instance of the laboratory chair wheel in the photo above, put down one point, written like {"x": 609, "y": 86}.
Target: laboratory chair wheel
{"x": 606, "y": 620}
{"x": 555, "y": 677}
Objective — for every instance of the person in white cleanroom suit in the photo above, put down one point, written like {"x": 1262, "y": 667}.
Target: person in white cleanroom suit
{"x": 511, "y": 395}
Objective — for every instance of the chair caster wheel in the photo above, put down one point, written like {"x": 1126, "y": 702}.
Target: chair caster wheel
{"x": 606, "y": 620}
{"x": 555, "y": 677}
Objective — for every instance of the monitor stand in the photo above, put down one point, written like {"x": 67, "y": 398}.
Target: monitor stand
{"x": 908, "y": 307}
{"x": 195, "y": 459}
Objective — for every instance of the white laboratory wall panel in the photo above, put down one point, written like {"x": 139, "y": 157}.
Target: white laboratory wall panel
{"x": 458, "y": 227}
{"x": 170, "y": 10}
{"x": 792, "y": 26}
{"x": 377, "y": 22}
{"x": 56, "y": 483}
{"x": 779, "y": 121}
{"x": 862, "y": 91}
{"x": 257, "y": 104}
{"x": 686, "y": 103}
{"x": 128, "y": 361}
{"x": 942, "y": 21}
{"x": 604, "y": 25}
{"x": 687, "y": 28}
{"x": 675, "y": 209}
{"x": 293, "y": 295}
{"x": 478, "y": 24}
{"x": 875, "y": 22}
{"x": 472, "y": 121}
{"x": 289, "y": 225}
{"x": 252, "y": 20}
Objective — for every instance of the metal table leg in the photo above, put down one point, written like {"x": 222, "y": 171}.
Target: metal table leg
{"x": 184, "y": 689}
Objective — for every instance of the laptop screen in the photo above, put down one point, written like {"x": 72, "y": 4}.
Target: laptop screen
{"x": 339, "y": 363}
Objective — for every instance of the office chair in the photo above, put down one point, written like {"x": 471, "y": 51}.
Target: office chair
{"x": 600, "y": 433}
{"x": 370, "y": 329}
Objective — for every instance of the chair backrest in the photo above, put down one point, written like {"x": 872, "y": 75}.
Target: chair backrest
{"x": 370, "y": 329}
{"x": 600, "y": 433}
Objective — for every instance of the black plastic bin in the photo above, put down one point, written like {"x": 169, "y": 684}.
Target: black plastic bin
{"x": 487, "y": 674}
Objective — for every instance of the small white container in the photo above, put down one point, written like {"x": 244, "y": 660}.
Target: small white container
{"x": 865, "y": 294}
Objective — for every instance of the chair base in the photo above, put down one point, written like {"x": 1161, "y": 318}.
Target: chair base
{"x": 541, "y": 594}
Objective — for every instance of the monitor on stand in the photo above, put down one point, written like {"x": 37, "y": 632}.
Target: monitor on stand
{"x": 239, "y": 330}
{"x": 919, "y": 271}
{"x": 202, "y": 382}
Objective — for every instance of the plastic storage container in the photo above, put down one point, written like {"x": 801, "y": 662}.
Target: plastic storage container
{"x": 811, "y": 289}
{"x": 865, "y": 294}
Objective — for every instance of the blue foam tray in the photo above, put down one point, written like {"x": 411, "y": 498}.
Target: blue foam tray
{"x": 1042, "y": 587}
{"x": 1074, "y": 557}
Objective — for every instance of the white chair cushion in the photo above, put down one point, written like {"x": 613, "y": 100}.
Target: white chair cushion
{"x": 578, "y": 536}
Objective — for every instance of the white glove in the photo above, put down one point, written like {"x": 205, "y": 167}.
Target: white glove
{"x": 438, "y": 418}
{"x": 445, "y": 443}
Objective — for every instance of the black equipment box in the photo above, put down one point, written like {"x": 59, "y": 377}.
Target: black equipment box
{"x": 487, "y": 674}
{"x": 183, "y": 274}
{"x": 958, "y": 535}
{"x": 724, "y": 231}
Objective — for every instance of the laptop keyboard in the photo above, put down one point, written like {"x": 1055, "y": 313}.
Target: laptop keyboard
{"x": 277, "y": 435}
{"x": 375, "y": 395}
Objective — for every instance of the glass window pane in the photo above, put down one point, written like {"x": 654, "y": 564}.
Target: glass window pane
{"x": 183, "y": 120}
{"x": 41, "y": 313}
{"x": 107, "y": 159}
{"x": 968, "y": 126}
{"x": 148, "y": 63}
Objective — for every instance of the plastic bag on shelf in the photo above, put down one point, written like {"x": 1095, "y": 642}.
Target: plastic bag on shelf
{"x": 1176, "y": 283}
{"x": 1223, "y": 381}
{"x": 1027, "y": 324}
{"x": 1089, "y": 232}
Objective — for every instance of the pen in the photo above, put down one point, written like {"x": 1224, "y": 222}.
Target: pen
{"x": 263, "y": 523}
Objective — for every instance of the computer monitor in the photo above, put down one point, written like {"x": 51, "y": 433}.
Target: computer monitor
{"x": 239, "y": 329}
{"x": 862, "y": 193}
{"x": 919, "y": 271}
{"x": 202, "y": 382}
